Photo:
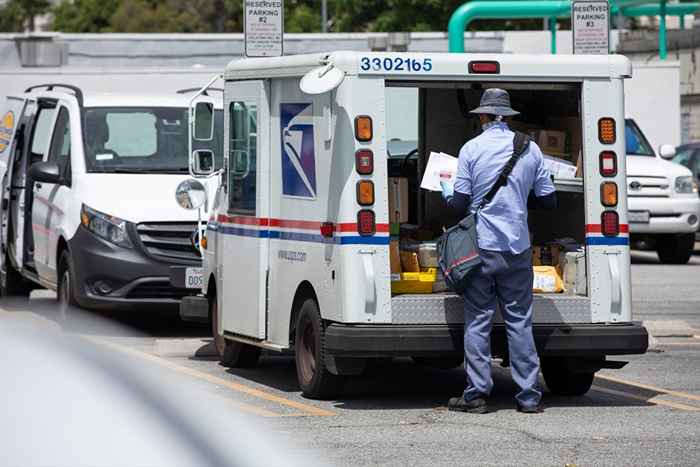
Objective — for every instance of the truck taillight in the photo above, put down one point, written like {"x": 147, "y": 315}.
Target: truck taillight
{"x": 327, "y": 229}
{"x": 364, "y": 162}
{"x": 610, "y": 223}
{"x": 365, "y": 193}
{"x": 606, "y": 130}
{"x": 363, "y": 128}
{"x": 608, "y": 194}
{"x": 485, "y": 67}
{"x": 366, "y": 225}
{"x": 608, "y": 164}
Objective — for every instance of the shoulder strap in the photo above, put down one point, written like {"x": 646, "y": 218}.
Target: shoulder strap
{"x": 520, "y": 144}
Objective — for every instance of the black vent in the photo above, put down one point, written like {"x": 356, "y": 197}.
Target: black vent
{"x": 170, "y": 241}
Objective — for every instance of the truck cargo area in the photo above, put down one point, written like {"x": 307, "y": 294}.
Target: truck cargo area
{"x": 425, "y": 117}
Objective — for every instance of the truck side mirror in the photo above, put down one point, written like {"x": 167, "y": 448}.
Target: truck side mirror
{"x": 667, "y": 151}
{"x": 46, "y": 172}
{"x": 203, "y": 162}
{"x": 203, "y": 122}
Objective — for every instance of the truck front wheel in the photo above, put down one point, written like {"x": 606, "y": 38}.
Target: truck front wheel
{"x": 231, "y": 353}
{"x": 315, "y": 380}
{"x": 562, "y": 381}
{"x": 675, "y": 249}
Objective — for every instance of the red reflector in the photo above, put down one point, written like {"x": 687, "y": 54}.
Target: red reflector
{"x": 327, "y": 229}
{"x": 485, "y": 67}
{"x": 608, "y": 164}
{"x": 365, "y": 222}
{"x": 364, "y": 162}
{"x": 610, "y": 224}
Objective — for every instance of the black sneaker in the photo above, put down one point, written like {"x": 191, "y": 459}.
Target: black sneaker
{"x": 458, "y": 404}
{"x": 531, "y": 409}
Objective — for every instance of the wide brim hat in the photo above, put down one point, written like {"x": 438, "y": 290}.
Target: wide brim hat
{"x": 495, "y": 101}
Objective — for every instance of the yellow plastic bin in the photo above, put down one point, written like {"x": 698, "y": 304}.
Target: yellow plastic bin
{"x": 415, "y": 282}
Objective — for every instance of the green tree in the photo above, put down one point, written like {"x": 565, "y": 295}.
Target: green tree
{"x": 84, "y": 15}
{"x": 18, "y": 15}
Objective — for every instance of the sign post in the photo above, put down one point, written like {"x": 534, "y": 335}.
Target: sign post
{"x": 264, "y": 27}
{"x": 590, "y": 22}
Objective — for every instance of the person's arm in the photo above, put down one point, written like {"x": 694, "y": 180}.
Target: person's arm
{"x": 543, "y": 194}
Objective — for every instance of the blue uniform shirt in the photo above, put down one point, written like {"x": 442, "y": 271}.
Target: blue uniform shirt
{"x": 502, "y": 224}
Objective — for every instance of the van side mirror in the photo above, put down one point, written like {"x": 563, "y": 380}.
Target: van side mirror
{"x": 46, "y": 172}
{"x": 203, "y": 122}
{"x": 203, "y": 162}
{"x": 667, "y": 151}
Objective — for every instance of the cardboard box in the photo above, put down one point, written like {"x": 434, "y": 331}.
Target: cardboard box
{"x": 546, "y": 255}
{"x": 394, "y": 258}
{"x": 409, "y": 261}
{"x": 572, "y": 127}
{"x": 398, "y": 200}
{"x": 551, "y": 141}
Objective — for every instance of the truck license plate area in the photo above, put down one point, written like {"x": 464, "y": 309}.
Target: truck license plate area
{"x": 638, "y": 217}
{"x": 193, "y": 278}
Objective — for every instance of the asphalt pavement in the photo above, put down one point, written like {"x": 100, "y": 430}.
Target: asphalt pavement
{"x": 648, "y": 413}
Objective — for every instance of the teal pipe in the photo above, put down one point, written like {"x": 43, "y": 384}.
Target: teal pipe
{"x": 654, "y": 9}
{"x": 662, "y": 31}
{"x": 553, "y": 34}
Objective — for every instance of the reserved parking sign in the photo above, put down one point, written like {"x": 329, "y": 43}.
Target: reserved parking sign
{"x": 264, "y": 27}
{"x": 590, "y": 21}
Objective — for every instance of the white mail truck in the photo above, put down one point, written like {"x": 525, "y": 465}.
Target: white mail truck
{"x": 300, "y": 234}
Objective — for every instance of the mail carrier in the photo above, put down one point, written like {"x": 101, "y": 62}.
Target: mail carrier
{"x": 321, "y": 241}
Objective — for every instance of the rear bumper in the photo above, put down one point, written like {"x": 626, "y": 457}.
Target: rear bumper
{"x": 585, "y": 340}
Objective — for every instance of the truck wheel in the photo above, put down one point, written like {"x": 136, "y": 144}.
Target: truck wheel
{"x": 675, "y": 249}
{"x": 442, "y": 363}
{"x": 231, "y": 353}
{"x": 14, "y": 285}
{"x": 561, "y": 381}
{"x": 66, "y": 285}
{"x": 315, "y": 380}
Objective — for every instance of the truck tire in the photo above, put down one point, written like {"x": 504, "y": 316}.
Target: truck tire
{"x": 675, "y": 249}
{"x": 315, "y": 380}
{"x": 65, "y": 292}
{"x": 14, "y": 285}
{"x": 442, "y": 363}
{"x": 231, "y": 353}
{"x": 561, "y": 381}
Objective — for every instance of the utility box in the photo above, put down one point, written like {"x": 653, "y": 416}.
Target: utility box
{"x": 41, "y": 51}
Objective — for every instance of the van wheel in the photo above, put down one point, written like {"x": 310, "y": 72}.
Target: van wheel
{"x": 14, "y": 284}
{"x": 442, "y": 363}
{"x": 561, "y": 381}
{"x": 66, "y": 285}
{"x": 315, "y": 380}
{"x": 231, "y": 353}
{"x": 675, "y": 249}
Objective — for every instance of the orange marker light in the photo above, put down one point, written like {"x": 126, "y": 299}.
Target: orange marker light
{"x": 606, "y": 130}
{"x": 365, "y": 193}
{"x": 608, "y": 194}
{"x": 203, "y": 242}
{"x": 363, "y": 128}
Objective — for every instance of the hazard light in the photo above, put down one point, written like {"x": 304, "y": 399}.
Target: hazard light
{"x": 610, "y": 224}
{"x": 365, "y": 193}
{"x": 606, "y": 130}
{"x": 608, "y": 194}
{"x": 366, "y": 225}
{"x": 363, "y": 128}
{"x": 485, "y": 67}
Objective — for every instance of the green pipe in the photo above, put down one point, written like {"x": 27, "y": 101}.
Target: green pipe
{"x": 662, "y": 31}
{"x": 654, "y": 9}
{"x": 681, "y": 18}
{"x": 553, "y": 34}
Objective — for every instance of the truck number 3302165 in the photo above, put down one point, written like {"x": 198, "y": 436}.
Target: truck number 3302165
{"x": 396, "y": 64}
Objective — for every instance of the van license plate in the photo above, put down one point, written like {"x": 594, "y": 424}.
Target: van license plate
{"x": 193, "y": 278}
{"x": 639, "y": 217}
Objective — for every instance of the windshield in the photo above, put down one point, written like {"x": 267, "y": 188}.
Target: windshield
{"x": 636, "y": 143}
{"x": 143, "y": 140}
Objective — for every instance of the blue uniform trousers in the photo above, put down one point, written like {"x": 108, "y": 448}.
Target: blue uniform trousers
{"x": 505, "y": 278}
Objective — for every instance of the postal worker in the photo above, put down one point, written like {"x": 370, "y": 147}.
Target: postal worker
{"x": 505, "y": 275}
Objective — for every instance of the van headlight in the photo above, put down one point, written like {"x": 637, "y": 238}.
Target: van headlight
{"x": 107, "y": 227}
{"x": 686, "y": 185}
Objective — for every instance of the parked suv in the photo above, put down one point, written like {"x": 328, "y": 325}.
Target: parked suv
{"x": 662, "y": 199}
{"x": 89, "y": 186}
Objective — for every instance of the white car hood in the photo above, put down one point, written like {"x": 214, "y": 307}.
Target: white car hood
{"x": 647, "y": 166}
{"x": 138, "y": 197}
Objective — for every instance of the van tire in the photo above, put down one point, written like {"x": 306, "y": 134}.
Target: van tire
{"x": 561, "y": 381}
{"x": 65, "y": 290}
{"x": 315, "y": 380}
{"x": 675, "y": 249}
{"x": 14, "y": 284}
{"x": 231, "y": 354}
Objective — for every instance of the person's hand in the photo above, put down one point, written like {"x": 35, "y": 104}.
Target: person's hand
{"x": 447, "y": 191}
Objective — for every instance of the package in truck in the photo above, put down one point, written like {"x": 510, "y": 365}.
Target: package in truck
{"x": 441, "y": 167}
{"x": 427, "y": 255}
{"x": 559, "y": 168}
{"x": 547, "y": 280}
{"x": 551, "y": 141}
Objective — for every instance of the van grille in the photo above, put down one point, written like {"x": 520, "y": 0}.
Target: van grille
{"x": 170, "y": 241}
{"x": 638, "y": 186}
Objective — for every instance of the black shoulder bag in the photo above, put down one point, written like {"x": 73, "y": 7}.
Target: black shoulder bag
{"x": 458, "y": 250}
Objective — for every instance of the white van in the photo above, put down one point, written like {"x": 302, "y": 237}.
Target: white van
{"x": 89, "y": 197}
{"x": 298, "y": 243}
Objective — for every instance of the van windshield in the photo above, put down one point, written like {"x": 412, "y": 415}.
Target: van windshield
{"x": 142, "y": 140}
{"x": 636, "y": 143}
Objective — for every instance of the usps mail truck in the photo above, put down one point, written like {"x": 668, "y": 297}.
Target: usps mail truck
{"x": 320, "y": 190}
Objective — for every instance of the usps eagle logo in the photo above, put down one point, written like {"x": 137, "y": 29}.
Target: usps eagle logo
{"x": 298, "y": 155}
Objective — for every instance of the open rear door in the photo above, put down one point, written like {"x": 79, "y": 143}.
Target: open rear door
{"x": 11, "y": 113}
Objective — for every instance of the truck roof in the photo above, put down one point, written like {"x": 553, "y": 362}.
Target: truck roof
{"x": 128, "y": 99}
{"x": 444, "y": 65}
